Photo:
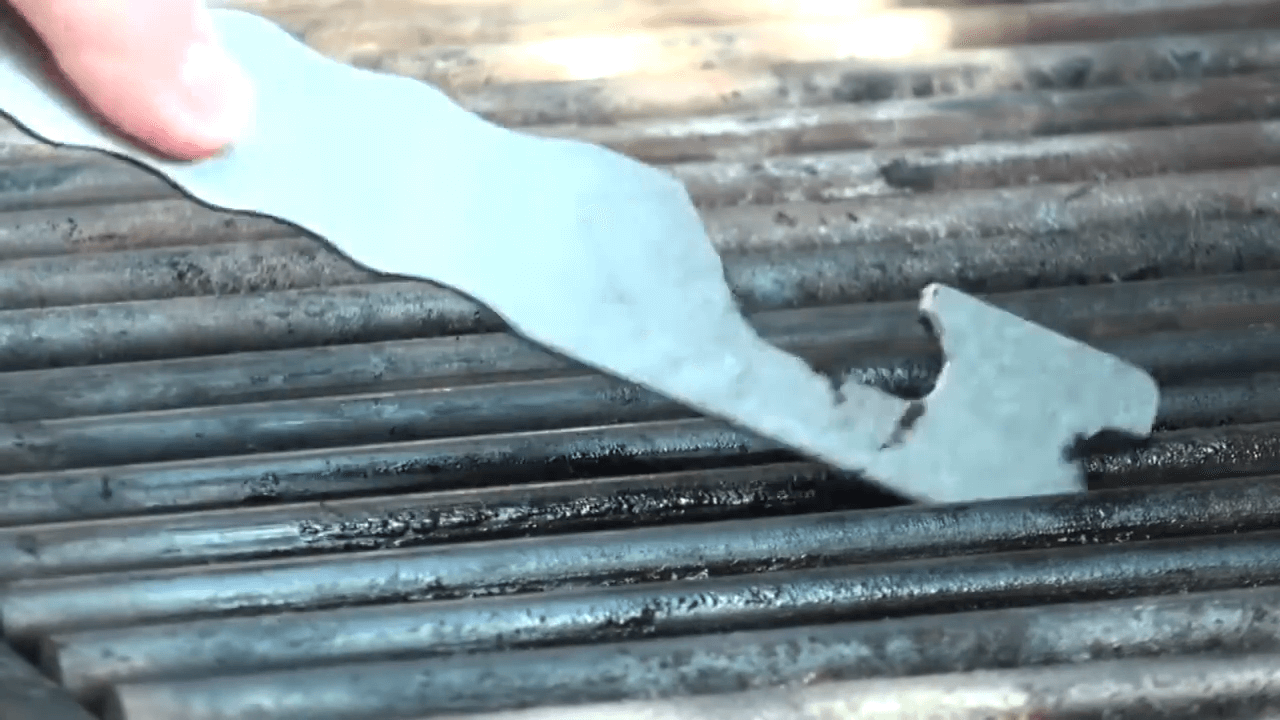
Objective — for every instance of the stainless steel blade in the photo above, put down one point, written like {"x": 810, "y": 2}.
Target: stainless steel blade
{"x": 605, "y": 260}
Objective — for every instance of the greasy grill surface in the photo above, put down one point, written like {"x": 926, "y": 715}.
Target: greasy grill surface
{"x": 246, "y": 479}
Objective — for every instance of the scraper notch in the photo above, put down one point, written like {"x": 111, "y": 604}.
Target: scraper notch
{"x": 1011, "y": 400}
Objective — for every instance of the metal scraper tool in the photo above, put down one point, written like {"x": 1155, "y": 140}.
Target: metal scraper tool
{"x": 605, "y": 260}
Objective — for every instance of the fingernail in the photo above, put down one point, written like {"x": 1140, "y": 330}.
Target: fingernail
{"x": 220, "y": 95}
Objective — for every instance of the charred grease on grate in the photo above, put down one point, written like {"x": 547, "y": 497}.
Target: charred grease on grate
{"x": 682, "y": 497}
{"x": 1226, "y": 452}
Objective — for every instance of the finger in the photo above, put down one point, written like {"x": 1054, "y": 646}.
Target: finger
{"x": 153, "y": 69}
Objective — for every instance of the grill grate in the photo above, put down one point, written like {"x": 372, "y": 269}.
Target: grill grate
{"x": 245, "y": 480}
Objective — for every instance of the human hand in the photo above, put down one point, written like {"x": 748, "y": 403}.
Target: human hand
{"x": 152, "y": 69}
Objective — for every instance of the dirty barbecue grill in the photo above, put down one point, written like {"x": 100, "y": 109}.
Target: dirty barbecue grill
{"x": 247, "y": 480}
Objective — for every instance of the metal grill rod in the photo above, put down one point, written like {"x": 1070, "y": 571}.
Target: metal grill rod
{"x": 99, "y": 190}
{"x": 193, "y": 647}
{"x": 1159, "y": 689}
{"x": 884, "y": 262}
{"x": 934, "y": 122}
{"x": 1083, "y": 158}
{"x": 411, "y": 688}
{"x": 1235, "y": 621}
{"x": 429, "y": 518}
{"x": 759, "y": 492}
{"x": 35, "y": 607}
{"x": 591, "y": 400}
{"x": 135, "y": 331}
{"x": 126, "y": 226}
{"x": 521, "y": 458}
{"x": 227, "y": 268}
{"x": 1007, "y": 216}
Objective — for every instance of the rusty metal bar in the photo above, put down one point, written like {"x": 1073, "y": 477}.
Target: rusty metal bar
{"x": 1242, "y": 400}
{"x": 75, "y": 179}
{"x": 1186, "y": 455}
{"x": 894, "y": 268}
{"x": 270, "y": 375}
{"x": 1235, "y": 621}
{"x": 998, "y": 240}
{"x": 777, "y": 255}
{"x": 855, "y": 250}
{"x": 176, "y": 222}
{"x": 819, "y": 566}
{"x": 575, "y": 505}
{"x": 593, "y": 400}
{"x": 827, "y": 177}
{"x": 520, "y": 458}
{"x": 948, "y": 74}
{"x": 1176, "y": 688}
{"x": 934, "y": 122}
{"x": 148, "y": 330}
{"x": 1221, "y": 305}
{"x": 1102, "y": 158}
{"x": 81, "y": 178}
{"x": 444, "y": 464}
{"x": 860, "y": 249}
{"x": 87, "y": 662}
{"x": 1003, "y": 215}
{"x": 229, "y": 268}
{"x": 515, "y": 406}
{"x": 427, "y": 518}
{"x": 183, "y": 327}
{"x": 66, "y": 181}
{"x": 125, "y": 226}
{"x": 373, "y": 522}
{"x": 401, "y": 689}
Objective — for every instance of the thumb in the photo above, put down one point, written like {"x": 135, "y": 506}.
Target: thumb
{"x": 152, "y": 69}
